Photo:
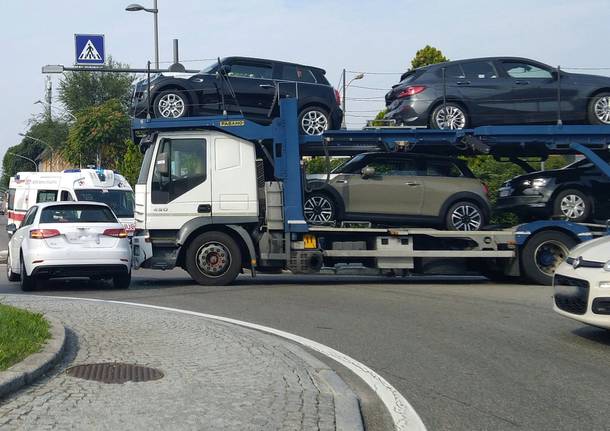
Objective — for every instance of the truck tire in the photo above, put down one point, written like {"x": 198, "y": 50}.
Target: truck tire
{"x": 213, "y": 259}
{"x": 27, "y": 281}
{"x": 543, "y": 253}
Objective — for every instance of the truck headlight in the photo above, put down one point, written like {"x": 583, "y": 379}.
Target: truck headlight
{"x": 536, "y": 182}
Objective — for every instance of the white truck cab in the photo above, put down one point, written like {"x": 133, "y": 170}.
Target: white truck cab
{"x": 98, "y": 185}
{"x": 190, "y": 179}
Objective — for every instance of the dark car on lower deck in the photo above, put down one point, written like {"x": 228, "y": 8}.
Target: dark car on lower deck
{"x": 243, "y": 85}
{"x": 578, "y": 192}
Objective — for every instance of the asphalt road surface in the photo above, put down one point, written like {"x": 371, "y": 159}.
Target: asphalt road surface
{"x": 468, "y": 355}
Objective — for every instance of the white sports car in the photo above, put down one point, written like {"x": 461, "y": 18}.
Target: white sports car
{"x": 582, "y": 284}
{"x": 69, "y": 239}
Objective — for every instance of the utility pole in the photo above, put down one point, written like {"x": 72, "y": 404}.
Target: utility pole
{"x": 343, "y": 125}
{"x": 48, "y": 97}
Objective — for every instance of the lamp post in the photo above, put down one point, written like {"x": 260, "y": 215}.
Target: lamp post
{"x": 23, "y": 157}
{"x": 134, "y": 7}
{"x": 345, "y": 86}
{"x": 46, "y": 105}
{"x": 43, "y": 143}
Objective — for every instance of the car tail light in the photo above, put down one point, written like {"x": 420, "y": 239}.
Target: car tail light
{"x": 411, "y": 90}
{"x": 117, "y": 233}
{"x": 43, "y": 233}
{"x": 337, "y": 97}
{"x": 485, "y": 188}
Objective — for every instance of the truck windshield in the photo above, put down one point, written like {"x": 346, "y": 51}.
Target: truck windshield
{"x": 121, "y": 201}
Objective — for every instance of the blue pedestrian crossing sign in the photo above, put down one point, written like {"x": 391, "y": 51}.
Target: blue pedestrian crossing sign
{"x": 89, "y": 49}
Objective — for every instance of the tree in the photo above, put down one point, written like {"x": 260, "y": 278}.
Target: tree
{"x": 81, "y": 90}
{"x": 98, "y": 135}
{"x": 54, "y": 133}
{"x": 427, "y": 55}
{"x": 129, "y": 165}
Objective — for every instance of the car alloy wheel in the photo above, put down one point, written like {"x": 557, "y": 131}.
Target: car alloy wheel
{"x": 450, "y": 117}
{"x": 318, "y": 210}
{"x": 314, "y": 122}
{"x": 213, "y": 259}
{"x": 549, "y": 255}
{"x": 466, "y": 217}
{"x": 602, "y": 109}
{"x": 171, "y": 105}
{"x": 573, "y": 206}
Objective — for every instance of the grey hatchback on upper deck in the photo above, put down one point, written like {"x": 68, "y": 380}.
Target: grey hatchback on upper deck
{"x": 496, "y": 90}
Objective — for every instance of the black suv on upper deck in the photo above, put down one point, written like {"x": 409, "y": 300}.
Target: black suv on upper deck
{"x": 243, "y": 85}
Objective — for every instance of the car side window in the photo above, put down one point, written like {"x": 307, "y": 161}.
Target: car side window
{"x": 297, "y": 73}
{"x": 453, "y": 72}
{"x": 479, "y": 70}
{"x": 29, "y": 217}
{"x": 394, "y": 167}
{"x": 257, "y": 71}
{"x": 46, "y": 196}
{"x": 523, "y": 70}
{"x": 442, "y": 168}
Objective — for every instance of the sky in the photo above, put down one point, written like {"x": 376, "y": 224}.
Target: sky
{"x": 378, "y": 38}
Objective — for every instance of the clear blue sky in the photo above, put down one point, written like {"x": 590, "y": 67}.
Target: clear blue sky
{"x": 369, "y": 36}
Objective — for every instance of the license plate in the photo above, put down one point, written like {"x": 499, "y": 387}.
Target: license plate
{"x": 309, "y": 241}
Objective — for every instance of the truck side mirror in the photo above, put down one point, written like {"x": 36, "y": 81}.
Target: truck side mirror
{"x": 11, "y": 229}
{"x": 367, "y": 172}
{"x": 163, "y": 164}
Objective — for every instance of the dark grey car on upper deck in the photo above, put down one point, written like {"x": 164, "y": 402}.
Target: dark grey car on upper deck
{"x": 496, "y": 90}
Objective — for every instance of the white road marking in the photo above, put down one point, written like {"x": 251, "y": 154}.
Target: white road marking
{"x": 403, "y": 414}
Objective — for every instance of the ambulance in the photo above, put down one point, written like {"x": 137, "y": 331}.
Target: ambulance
{"x": 97, "y": 185}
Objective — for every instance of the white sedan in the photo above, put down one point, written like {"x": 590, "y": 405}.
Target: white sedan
{"x": 582, "y": 284}
{"x": 69, "y": 239}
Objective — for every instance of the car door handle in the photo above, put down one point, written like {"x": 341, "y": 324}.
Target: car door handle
{"x": 267, "y": 86}
{"x": 412, "y": 183}
{"x": 522, "y": 82}
{"x": 463, "y": 83}
{"x": 198, "y": 80}
{"x": 205, "y": 208}
{"x": 341, "y": 182}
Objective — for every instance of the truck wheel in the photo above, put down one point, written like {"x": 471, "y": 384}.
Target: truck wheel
{"x": 213, "y": 259}
{"x": 543, "y": 253}
{"x": 27, "y": 281}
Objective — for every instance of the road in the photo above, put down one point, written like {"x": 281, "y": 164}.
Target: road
{"x": 468, "y": 355}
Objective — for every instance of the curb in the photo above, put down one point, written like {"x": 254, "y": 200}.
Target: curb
{"x": 36, "y": 364}
{"x": 347, "y": 404}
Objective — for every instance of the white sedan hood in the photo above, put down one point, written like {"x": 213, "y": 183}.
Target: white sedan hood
{"x": 597, "y": 250}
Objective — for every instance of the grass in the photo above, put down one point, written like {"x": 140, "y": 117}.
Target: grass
{"x": 21, "y": 334}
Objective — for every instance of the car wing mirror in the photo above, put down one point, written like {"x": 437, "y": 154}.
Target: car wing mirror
{"x": 11, "y": 229}
{"x": 367, "y": 172}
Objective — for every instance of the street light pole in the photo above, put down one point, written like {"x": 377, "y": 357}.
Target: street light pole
{"x": 345, "y": 86}
{"x": 23, "y": 157}
{"x": 43, "y": 143}
{"x": 134, "y": 7}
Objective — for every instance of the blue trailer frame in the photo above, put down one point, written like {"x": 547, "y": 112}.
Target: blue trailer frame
{"x": 499, "y": 141}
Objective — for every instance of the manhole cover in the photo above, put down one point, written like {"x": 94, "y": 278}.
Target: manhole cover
{"x": 114, "y": 372}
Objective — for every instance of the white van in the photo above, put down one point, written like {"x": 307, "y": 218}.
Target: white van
{"x": 97, "y": 185}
